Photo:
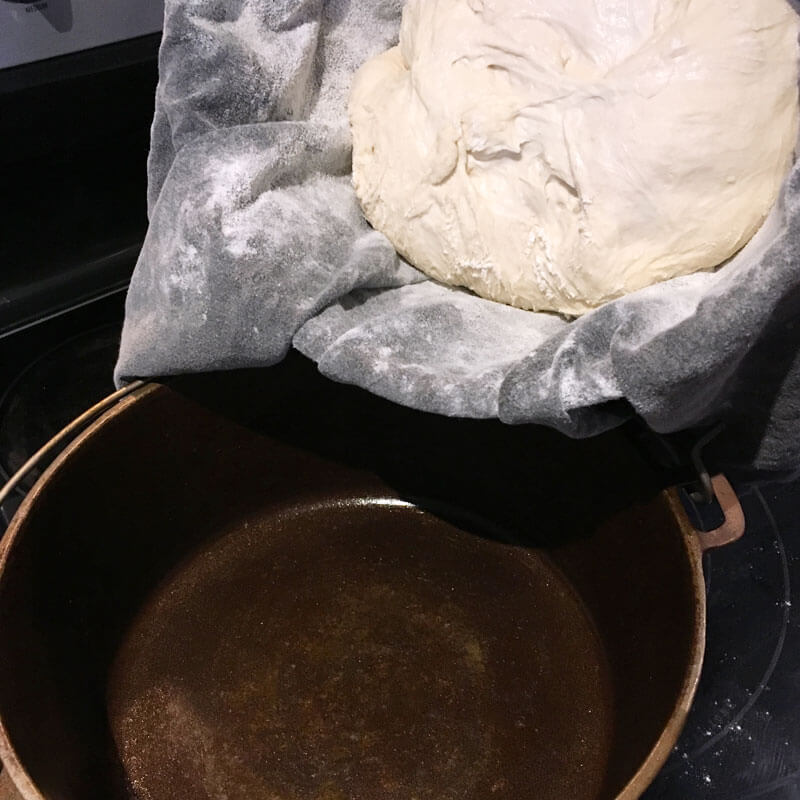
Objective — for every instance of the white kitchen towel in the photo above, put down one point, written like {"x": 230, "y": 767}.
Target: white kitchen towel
{"x": 257, "y": 243}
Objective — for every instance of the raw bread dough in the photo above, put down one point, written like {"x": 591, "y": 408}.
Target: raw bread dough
{"x": 556, "y": 155}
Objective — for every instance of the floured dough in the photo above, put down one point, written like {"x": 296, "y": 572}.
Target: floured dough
{"x": 556, "y": 155}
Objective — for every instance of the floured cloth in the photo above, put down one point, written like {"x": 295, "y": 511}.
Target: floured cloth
{"x": 257, "y": 243}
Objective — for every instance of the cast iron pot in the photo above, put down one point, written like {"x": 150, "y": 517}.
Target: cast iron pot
{"x": 267, "y": 585}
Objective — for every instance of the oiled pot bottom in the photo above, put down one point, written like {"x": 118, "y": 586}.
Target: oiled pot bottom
{"x": 363, "y": 650}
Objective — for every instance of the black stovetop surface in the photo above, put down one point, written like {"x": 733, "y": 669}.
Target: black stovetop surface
{"x": 742, "y": 738}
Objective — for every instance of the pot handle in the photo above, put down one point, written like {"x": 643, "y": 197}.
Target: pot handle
{"x": 733, "y": 526}
{"x": 69, "y": 432}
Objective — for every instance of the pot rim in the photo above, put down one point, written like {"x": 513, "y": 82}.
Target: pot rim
{"x": 11, "y": 764}
{"x": 652, "y": 765}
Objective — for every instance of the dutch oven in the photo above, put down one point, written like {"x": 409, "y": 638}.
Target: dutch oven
{"x": 264, "y": 585}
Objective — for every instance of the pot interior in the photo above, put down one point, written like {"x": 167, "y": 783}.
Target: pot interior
{"x": 268, "y": 585}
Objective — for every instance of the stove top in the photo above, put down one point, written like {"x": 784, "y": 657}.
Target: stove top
{"x": 49, "y": 374}
{"x": 742, "y": 738}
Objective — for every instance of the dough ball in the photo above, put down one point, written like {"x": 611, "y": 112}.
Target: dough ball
{"x": 556, "y": 155}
